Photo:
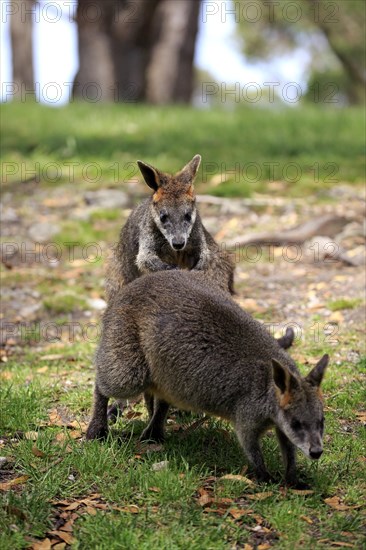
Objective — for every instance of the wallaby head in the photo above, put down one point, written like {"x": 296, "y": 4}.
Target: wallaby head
{"x": 173, "y": 205}
{"x": 300, "y": 413}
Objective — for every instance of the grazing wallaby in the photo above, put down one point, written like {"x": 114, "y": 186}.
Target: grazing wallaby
{"x": 166, "y": 232}
{"x": 192, "y": 346}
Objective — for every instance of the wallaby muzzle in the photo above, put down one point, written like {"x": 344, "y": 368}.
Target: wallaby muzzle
{"x": 315, "y": 452}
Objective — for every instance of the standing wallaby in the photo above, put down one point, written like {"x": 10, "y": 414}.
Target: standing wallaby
{"x": 166, "y": 232}
{"x": 192, "y": 346}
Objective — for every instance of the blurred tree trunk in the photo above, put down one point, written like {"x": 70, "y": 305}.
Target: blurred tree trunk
{"x": 136, "y": 50}
{"x": 21, "y": 25}
{"x": 132, "y": 40}
{"x": 170, "y": 72}
{"x": 95, "y": 77}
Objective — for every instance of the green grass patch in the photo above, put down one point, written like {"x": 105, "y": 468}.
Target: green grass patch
{"x": 344, "y": 303}
{"x": 165, "y": 508}
{"x": 97, "y": 145}
{"x": 65, "y": 302}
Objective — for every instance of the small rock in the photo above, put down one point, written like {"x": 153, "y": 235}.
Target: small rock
{"x": 107, "y": 198}
{"x": 29, "y": 311}
{"x": 43, "y": 231}
{"x": 158, "y": 466}
{"x": 8, "y": 215}
{"x": 71, "y": 477}
{"x": 97, "y": 303}
{"x": 3, "y": 461}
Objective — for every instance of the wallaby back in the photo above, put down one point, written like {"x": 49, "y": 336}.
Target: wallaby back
{"x": 170, "y": 335}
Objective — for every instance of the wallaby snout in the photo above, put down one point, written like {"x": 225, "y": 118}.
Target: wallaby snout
{"x": 179, "y": 243}
{"x": 315, "y": 452}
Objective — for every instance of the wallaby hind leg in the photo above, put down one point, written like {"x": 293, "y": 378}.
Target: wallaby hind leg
{"x": 249, "y": 440}
{"x": 287, "y": 340}
{"x": 155, "y": 428}
{"x": 98, "y": 426}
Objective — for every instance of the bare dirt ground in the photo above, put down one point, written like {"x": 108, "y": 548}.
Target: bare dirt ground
{"x": 316, "y": 285}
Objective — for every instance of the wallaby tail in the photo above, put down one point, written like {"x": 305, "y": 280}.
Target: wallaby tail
{"x": 287, "y": 340}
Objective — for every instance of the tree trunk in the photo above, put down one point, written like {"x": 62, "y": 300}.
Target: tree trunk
{"x": 170, "y": 72}
{"x": 132, "y": 40}
{"x": 21, "y": 24}
{"x": 95, "y": 79}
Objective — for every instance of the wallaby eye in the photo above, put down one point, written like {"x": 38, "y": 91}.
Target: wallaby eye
{"x": 163, "y": 218}
{"x": 296, "y": 425}
{"x": 188, "y": 217}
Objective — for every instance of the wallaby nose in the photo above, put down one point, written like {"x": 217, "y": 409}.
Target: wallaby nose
{"x": 178, "y": 245}
{"x": 316, "y": 453}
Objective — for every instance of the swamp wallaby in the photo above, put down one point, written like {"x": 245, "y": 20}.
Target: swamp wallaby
{"x": 187, "y": 344}
{"x": 166, "y": 232}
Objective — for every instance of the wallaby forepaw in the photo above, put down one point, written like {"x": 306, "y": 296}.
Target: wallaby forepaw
{"x": 114, "y": 411}
{"x": 264, "y": 477}
{"x": 298, "y": 485}
{"x": 96, "y": 432}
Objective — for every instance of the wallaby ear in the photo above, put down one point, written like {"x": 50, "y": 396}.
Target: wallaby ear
{"x": 315, "y": 376}
{"x": 284, "y": 381}
{"x": 188, "y": 173}
{"x": 151, "y": 175}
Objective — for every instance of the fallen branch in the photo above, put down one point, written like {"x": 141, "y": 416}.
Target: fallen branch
{"x": 326, "y": 226}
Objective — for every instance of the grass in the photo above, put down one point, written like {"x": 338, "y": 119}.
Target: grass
{"x": 64, "y": 303}
{"x": 165, "y": 509}
{"x": 338, "y": 305}
{"x": 306, "y": 149}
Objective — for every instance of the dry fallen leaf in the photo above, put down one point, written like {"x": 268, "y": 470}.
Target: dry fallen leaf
{"x": 90, "y": 510}
{"x": 31, "y": 436}
{"x": 154, "y": 489}
{"x": 361, "y": 416}
{"x": 73, "y": 506}
{"x": 342, "y": 544}
{"x": 205, "y": 500}
{"x": 132, "y": 509}
{"x": 234, "y": 477}
{"x": 335, "y": 502}
{"x": 264, "y": 546}
{"x": 66, "y": 537}
{"x": 6, "y": 485}
{"x": 260, "y": 496}
{"x": 55, "y": 418}
{"x": 42, "y": 545}
{"x": 237, "y": 513}
{"x": 59, "y": 546}
{"x": 307, "y": 519}
{"x": 68, "y": 526}
{"x": 75, "y": 434}
{"x": 42, "y": 370}
{"x": 78, "y": 425}
{"x": 37, "y": 452}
